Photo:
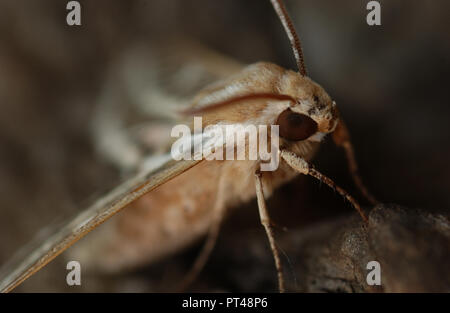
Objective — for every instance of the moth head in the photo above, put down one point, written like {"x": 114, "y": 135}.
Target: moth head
{"x": 311, "y": 112}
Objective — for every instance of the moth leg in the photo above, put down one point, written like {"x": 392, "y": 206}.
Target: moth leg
{"x": 213, "y": 233}
{"x": 265, "y": 221}
{"x": 303, "y": 167}
{"x": 341, "y": 138}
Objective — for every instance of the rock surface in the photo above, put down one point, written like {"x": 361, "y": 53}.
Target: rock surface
{"x": 412, "y": 247}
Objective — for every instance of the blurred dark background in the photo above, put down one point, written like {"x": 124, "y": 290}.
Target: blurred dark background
{"x": 390, "y": 83}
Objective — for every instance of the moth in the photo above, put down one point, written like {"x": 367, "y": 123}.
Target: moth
{"x": 171, "y": 203}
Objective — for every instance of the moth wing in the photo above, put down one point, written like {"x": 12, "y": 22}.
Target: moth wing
{"x": 105, "y": 207}
{"x": 162, "y": 69}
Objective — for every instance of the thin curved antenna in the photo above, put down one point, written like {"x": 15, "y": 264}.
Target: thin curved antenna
{"x": 282, "y": 13}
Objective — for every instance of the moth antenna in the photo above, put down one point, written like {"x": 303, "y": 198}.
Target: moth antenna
{"x": 252, "y": 96}
{"x": 282, "y": 13}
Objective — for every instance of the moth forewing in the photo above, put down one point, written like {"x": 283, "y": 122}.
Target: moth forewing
{"x": 99, "y": 212}
{"x": 166, "y": 69}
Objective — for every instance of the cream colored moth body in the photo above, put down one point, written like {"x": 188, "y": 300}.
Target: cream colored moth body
{"x": 183, "y": 209}
{"x": 170, "y": 204}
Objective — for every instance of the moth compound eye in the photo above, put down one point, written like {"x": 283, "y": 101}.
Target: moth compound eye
{"x": 295, "y": 126}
